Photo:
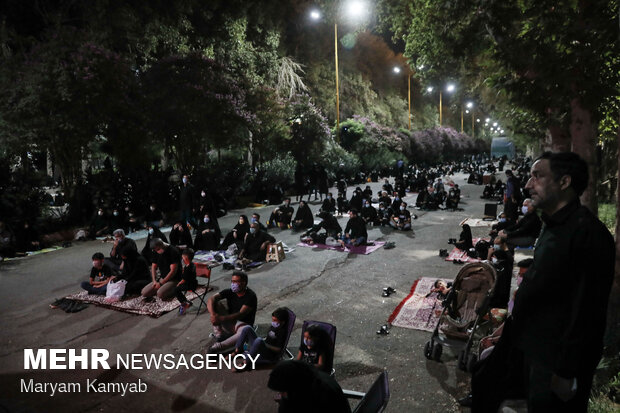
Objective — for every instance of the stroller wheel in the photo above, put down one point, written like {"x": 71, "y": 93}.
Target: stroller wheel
{"x": 437, "y": 350}
{"x": 462, "y": 365}
{"x": 471, "y": 362}
{"x": 428, "y": 350}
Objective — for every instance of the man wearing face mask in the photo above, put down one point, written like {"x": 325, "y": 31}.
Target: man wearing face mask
{"x": 355, "y": 233}
{"x": 240, "y": 311}
{"x": 401, "y": 220}
{"x": 369, "y": 213}
{"x": 255, "y": 244}
{"x": 526, "y": 230}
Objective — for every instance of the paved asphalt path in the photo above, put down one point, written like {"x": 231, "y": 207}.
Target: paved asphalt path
{"x": 343, "y": 289}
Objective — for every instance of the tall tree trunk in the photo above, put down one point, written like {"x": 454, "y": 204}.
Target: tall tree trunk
{"x": 583, "y": 138}
{"x": 612, "y": 338}
{"x": 558, "y": 140}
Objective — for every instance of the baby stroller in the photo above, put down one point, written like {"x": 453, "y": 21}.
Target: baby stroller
{"x": 464, "y": 308}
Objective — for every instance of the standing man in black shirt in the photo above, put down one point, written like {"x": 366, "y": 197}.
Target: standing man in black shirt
{"x": 560, "y": 308}
{"x": 168, "y": 261}
{"x": 355, "y": 232}
{"x": 241, "y": 305}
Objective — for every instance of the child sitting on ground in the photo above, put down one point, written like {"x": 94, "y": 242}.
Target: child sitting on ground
{"x": 188, "y": 279}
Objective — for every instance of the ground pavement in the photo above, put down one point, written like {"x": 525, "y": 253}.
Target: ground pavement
{"x": 343, "y": 289}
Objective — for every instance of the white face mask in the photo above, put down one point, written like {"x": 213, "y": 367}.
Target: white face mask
{"x": 115, "y": 213}
{"x": 203, "y": 194}
{"x": 151, "y": 231}
{"x": 524, "y": 209}
{"x": 184, "y": 180}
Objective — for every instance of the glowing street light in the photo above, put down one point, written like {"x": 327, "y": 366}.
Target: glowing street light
{"x": 429, "y": 89}
{"x": 396, "y": 69}
{"x": 315, "y": 15}
{"x": 450, "y": 87}
{"x": 356, "y": 9}
{"x": 410, "y": 73}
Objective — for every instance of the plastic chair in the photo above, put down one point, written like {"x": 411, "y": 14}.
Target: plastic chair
{"x": 331, "y": 331}
{"x": 375, "y": 399}
{"x": 202, "y": 271}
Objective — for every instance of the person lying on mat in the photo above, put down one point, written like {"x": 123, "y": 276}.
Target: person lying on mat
{"x": 168, "y": 261}
{"x": 188, "y": 279}
{"x": 269, "y": 348}
{"x": 100, "y": 276}
{"x": 441, "y": 288}
{"x": 241, "y": 311}
{"x": 315, "y": 348}
{"x": 355, "y": 232}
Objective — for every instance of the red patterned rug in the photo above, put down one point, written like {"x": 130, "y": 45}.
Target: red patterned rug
{"x": 421, "y": 309}
{"x": 457, "y": 254}
{"x": 136, "y": 305}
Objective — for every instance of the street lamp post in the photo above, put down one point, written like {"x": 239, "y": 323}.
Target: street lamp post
{"x": 449, "y": 88}
{"x": 409, "y": 75}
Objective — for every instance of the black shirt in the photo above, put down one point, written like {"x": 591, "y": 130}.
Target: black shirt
{"x": 356, "y": 227}
{"x": 528, "y": 226}
{"x": 189, "y": 276}
{"x": 252, "y": 244}
{"x": 102, "y": 274}
{"x": 234, "y": 303}
{"x": 171, "y": 255}
{"x": 560, "y": 307}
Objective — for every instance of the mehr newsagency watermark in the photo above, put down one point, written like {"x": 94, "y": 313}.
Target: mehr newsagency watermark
{"x": 94, "y": 359}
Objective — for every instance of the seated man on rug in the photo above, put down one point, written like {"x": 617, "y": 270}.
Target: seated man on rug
{"x": 385, "y": 198}
{"x": 168, "y": 262}
{"x": 401, "y": 220}
{"x": 331, "y": 226}
{"x": 329, "y": 204}
{"x": 100, "y": 276}
{"x": 369, "y": 213}
{"x": 255, "y": 244}
{"x": 303, "y": 217}
{"x": 240, "y": 311}
{"x": 120, "y": 242}
{"x": 135, "y": 271}
{"x": 188, "y": 280}
{"x": 526, "y": 230}
{"x": 281, "y": 216}
{"x": 355, "y": 233}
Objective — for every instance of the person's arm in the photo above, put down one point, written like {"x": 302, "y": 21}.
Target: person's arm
{"x": 245, "y": 309}
{"x": 321, "y": 361}
{"x": 299, "y": 355}
{"x": 156, "y": 284}
{"x": 173, "y": 270}
{"x": 215, "y": 318}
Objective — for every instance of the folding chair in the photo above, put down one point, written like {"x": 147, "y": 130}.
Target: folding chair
{"x": 331, "y": 331}
{"x": 291, "y": 323}
{"x": 375, "y": 399}
{"x": 202, "y": 271}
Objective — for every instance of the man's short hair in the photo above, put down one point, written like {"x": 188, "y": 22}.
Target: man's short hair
{"x": 119, "y": 231}
{"x": 189, "y": 253}
{"x": 98, "y": 256}
{"x": 257, "y": 215}
{"x": 508, "y": 172}
{"x": 242, "y": 275}
{"x": 571, "y": 164}
{"x": 354, "y": 211}
{"x": 157, "y": 243}
{"x": 287, "y": 199}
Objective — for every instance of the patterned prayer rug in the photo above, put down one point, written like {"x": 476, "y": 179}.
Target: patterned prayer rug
{"x": 136, "y": 305}
{"x": 421, "y": 309}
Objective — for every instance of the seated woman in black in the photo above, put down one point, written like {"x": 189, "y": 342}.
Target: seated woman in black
{"x": 316, "y": 348}
{"x": 154, "y": 233}
{"x": 181, "y": 236}
{"x": 303, "y": 217}
{"x": 206, "y": 235}
{"x": 465, "y": 241}
{"x": 237, "y": 235}
{"x": 269, "y": 348}
{"x": 188, "y": 279}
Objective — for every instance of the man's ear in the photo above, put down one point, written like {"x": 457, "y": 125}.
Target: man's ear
{"x": 565, "y": 182}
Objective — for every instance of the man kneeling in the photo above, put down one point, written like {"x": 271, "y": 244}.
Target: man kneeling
{"x": 241, "y": 311}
